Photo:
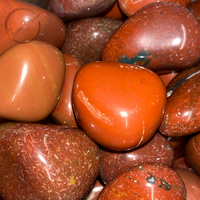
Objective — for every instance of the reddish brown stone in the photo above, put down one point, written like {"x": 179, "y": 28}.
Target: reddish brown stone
{"x": 86, "y": 37}
{"x": 157, "y": 150}
{"x": 46, "y": 162}
{"x": 23, "y": 22}
{"x": 147, "y": 181}
{"x": 70, "y": 9}
{"x": 31, "y": 79}
{"x": 182, "y": 113}
{"x": 160, "y": 36}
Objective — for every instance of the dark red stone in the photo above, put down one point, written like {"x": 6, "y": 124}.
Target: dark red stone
{"x": 160, "y": 36}
{"x": 86, "y": 37}
{"x": 182, "y": 113}
{"x": 157, "y": 150}
{"x": 46, "y": 162}
{"x": 147, "y": 181}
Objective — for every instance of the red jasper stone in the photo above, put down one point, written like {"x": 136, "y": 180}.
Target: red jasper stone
{"x": 130, "y": 7}
{"x": 182, "y": 113}
{"x": 192, "y": 153}
{"x": 31, "y": 79}
{"x": 157, "y": 150}
{"x": 120, "y": 106}
{"x": 46, "y": 162}
{"x": 85, "y": 38}
{"x": 146, "y": 181}
{"x": 63, "y": 113}
{"x": 23, "y": 22}
{"x": 70, "y": 9}
{"x": 192, "y": 183}
{"x": 160, "y": 36}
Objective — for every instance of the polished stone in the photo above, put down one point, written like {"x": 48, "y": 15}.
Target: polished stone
{"x": 161, "y": 36}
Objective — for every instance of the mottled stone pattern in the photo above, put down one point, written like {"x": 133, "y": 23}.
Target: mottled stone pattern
{"x": 157, "y": 150}
{"x": 146, "y": 181}
{"x": 46, "y": 162}
{"x": 86, "y": 37}
{"x": 182, "y": 115}
{"x": 160, "y": 36}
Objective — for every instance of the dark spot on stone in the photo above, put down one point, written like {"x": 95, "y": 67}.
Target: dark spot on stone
{"x": 142, "y": 59}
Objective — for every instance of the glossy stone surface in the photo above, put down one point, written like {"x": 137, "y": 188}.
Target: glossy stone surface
{"x": 86, "y": 37}
{"x": 161, "y": 36}
{"x": 182, "y": 113}
{"x": 192, "y": 153}
{"x": 120, "y": 106}
{"x": 23, "y": 22}
{"x": 147, "y": 181}
{"x": 192, "y": 183}
{"x": 46, "y": 162}
{"x": 63, "y": 113}
{"x": 31, "y": 79}
{"x": 70, "y": 9}
{"x": 194, "y": 8}
{"x": 130, "y": 7}
{"x": 157, "y": 150}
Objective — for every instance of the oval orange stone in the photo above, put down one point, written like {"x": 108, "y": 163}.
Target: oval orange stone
{"x": 118, "y": 105}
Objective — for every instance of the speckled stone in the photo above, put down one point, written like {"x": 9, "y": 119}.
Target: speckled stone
{"x": 46, "y": 162}
{"x": 182, "y": 113}
{"x": 146, "y": 181}
{"x": 86, "y": 37}
{"x": 159, "y": 36}
{"x": 157, "y": 150}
